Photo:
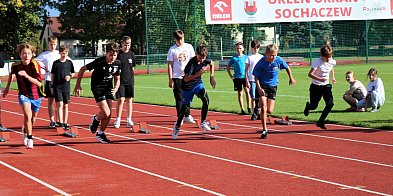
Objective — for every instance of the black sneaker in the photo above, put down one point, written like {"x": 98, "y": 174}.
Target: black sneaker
{"x": 66, "y": 127}
{"x": 321, "y": 125}
{"x": 253, "y": 116}
{"x": 102, "y": 138}
{"x": 52, "y": 124}
{"x": 249, "y": 110}
{"x": 243, "y": 112}
{"x": 264, "y": 134}
{"x": 58, "y": 124}
{"x": 94, "y": 124}
{"x": 307, "y": 109}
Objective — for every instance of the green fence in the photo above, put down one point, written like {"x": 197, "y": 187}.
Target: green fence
{"x": 353, "y": 41}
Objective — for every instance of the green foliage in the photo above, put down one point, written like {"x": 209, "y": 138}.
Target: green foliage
{"x": 20, "y": 23}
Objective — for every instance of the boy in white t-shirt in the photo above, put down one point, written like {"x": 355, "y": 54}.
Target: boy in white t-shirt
{"x": 178, "y": 57}
{"x": 320, "y": 86}
{"x": 251, "y": 61}
{"x": 375, "y": 92}
{"x": 47, "y": 58}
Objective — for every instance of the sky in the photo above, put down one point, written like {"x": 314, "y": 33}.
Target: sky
{"x": 52, "y": 11}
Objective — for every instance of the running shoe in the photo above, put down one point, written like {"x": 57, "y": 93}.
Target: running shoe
{"x": 264, "y": 134}
{"x": 175, "y": 131}
{"x": 24, "y": 136}
{"x": 102, "y": 138}
{"x": 130, "y": 124}
{"x": 30, "y": 143}
{"x": 52, "y": 124}
{"x": 66, "y": 127}
{"x": 94, "y": 124}
{"x": 116, "y": 124}
{"x": 205, "y": 126}
{"x": 307, "y": 109}
{"x": 321, "y": 125}
{"x": 189, "y": 119}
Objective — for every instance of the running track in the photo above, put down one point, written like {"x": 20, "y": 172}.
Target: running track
{"x": 295, "y": 160}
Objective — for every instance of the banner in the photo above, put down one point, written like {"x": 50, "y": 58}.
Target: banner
{"x": 272, "y": 11}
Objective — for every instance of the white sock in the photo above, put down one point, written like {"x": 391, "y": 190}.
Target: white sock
{"x": 129, "y": 120}
{"x": 117, "y": 119}
{"x": 100, "y": 132}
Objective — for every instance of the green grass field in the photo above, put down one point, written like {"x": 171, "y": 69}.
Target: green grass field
{"x": 153, "y": 89}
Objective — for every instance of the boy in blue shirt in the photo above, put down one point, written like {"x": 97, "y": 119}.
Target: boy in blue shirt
{"x": 193, "y": 85}
{"x": 266, "y": 79}
{"x": 238, "y": 62}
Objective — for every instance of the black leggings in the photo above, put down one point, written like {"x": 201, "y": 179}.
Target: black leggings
{"x": 316, "y": 93}
{"x": 177, "y": 92}
{"x": 185, "y": 108}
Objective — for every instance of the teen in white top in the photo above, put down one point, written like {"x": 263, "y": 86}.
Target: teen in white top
{"x": 179, "y": 56}
{"x": 377, "y": 86}
{"x": 251, "y": 61}
{"x": 47, "y": 58}
{"x": 322, "y": 70}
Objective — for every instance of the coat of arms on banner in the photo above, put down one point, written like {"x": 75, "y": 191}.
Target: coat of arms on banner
{"x": 250, "y": 7}
{"x": 221, "y": 10}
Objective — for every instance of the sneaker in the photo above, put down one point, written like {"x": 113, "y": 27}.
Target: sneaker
{"x": 205, "y": 126}
{"x": 307, "y": 109}
{"x": 321, "y": 125}
{"x": 360, "y": 109}
{"x": 102, "y": 138}
{"x": 24, "y": 136}
{"x": 243, "y": 112}
{"x": 116, "y": 124}
{"x": 52, "y": 124}
{"x": 189, "y": 119}
{"x": 66, "y": 127}
{"x": 58, "y": 124}
{"x": 264, "y": 134}
{"x": 94, "y": 124}
{"x": 175, "y": 131}
{"x": 249, "y": 110}
{"x": 30, "y": 143}
{"x": 374, "y": 110}
{"x": 3, "y": 128}
{"x": 130, "y": 124}
{"x": 253, "y": 116}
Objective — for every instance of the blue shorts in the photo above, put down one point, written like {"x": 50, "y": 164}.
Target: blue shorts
{"x": 188, "y": 95}
{"x": 35, "y": 104}
{"x": 253, "y": 87}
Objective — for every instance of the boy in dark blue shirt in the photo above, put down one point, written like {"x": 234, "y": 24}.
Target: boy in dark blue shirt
{"x": 193, "y": 85}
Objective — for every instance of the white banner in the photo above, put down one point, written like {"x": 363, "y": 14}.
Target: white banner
{"x": 272, "y": 11}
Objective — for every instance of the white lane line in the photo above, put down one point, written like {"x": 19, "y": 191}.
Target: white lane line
{"x": 34, "y": 178}
{"x": 205, "y": 155}
{"x": 117, "y": 163}
{"x": 263, "y": 144}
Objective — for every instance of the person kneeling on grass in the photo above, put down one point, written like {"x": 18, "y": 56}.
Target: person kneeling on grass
{"x": 355, "y": 93}
{"x": 105, "y": 69}
{"x": 375, "y": 92}
{"x": 193, "y": 85}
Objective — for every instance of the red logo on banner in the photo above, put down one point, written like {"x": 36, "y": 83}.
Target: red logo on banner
{"x": 220, "y": 10}
{"x": 391, "y": 7}
{"x": 250, "y": 7}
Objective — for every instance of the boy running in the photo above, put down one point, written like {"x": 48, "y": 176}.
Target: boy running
{"x": 105, "y": 69}
{"x": 29, "y": 79}
{"x": 193, "y": 85}
{"x": 126, "y": 89}
{"x": 238, "y": 61}
{"x": 47, "y": 58}
{"x": 320, "y": 86}
{"x": 266, "y": 79}
{"x": 251, "y": 61}
{"x": 62, "y": 72}
{"x": 178, "y": 57}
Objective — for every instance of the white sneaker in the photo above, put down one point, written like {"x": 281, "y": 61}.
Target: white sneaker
{"x": 374, "y": 110}
{"x": 24, "y": 139}
{"x": 205, "y": 126}
{"x": 3, "y": 128}
{"x": 175, "y": 131}
{"x": 30, "y": 143}
{"x": 130, "y": 123}
{"x": 189, "y": 119}
{"x": 116, "y": 124}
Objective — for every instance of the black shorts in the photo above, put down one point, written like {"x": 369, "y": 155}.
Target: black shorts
{"x": 239, "y": 84}
{"x": 126, "y": 91}
{"x": 101, "y": 95}
{"x": 270, "y": 92}
{"x": 48, "y": 93}
{"x": 62, "y": 96}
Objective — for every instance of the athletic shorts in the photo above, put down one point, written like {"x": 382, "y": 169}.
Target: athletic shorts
{"x": 188, "y": 95}
{"x": 253, "y": 88}
{"x": 239, "y": 84}
{"x": 101, "y": 95}
{"x": 126, "y": 91}
{"x": 62, "y": 96}
{"x": 48, "y": 93}
{"x": 270, "y": 92}
{"x": 35, "y": 104}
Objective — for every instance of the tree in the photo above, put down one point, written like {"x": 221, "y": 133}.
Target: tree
{"x": 21, "y": 21}
{"x": 90, "y": 21}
